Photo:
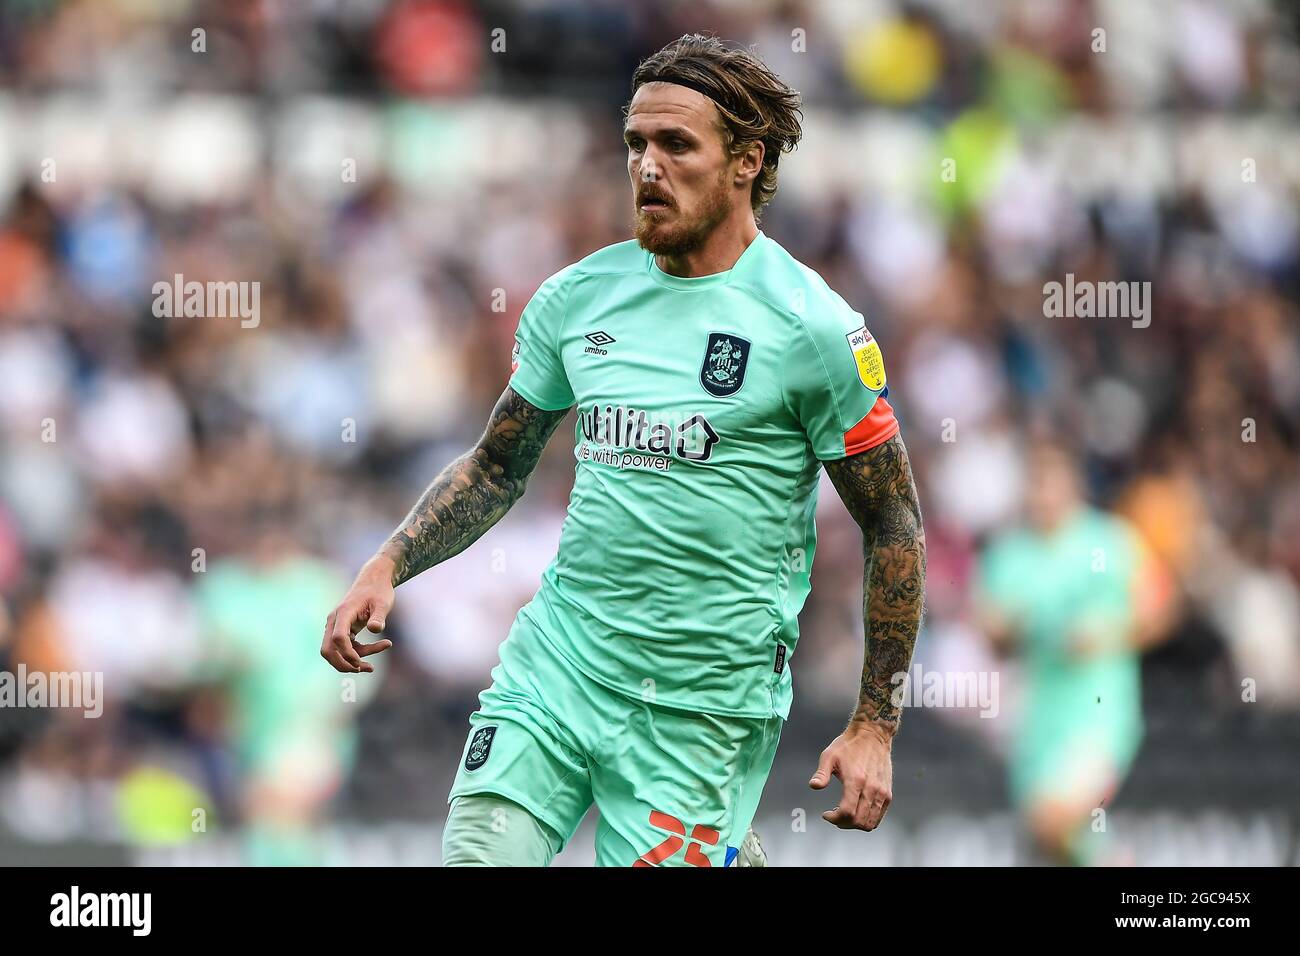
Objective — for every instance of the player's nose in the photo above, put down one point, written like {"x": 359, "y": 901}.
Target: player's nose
{"x": 647, "y": 169}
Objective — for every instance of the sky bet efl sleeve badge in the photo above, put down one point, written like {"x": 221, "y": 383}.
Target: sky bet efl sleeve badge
{"x": 866, "y": 353}
{"x": 723, "y": 371}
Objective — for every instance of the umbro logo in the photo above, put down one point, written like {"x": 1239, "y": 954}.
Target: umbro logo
{"x": 598, "y": 340}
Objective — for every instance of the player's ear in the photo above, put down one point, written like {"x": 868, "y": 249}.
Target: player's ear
{"x": 749, "y": 162}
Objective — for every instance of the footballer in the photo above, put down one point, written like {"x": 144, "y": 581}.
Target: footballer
{"x": 713, "y": 377}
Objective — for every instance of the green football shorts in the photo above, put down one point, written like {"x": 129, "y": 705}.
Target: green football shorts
{"x": 673, "y": 788}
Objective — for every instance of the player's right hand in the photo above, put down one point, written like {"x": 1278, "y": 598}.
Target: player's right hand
{"x": 366, "y": 605}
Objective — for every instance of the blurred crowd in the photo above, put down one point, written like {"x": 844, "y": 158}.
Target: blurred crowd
{"x": 183, "y": 499}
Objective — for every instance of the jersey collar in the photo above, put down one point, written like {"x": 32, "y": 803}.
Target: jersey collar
{"x": 662, "y": 278}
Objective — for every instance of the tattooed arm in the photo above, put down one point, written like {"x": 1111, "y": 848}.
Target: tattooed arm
{"x": 475, "y": 491}
{"x": 877, "y": 488}
{"x": 468, "y": 497}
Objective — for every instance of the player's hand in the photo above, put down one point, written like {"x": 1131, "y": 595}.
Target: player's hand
{"x": 366, "y": 605}
{"x": 861, "y": 758}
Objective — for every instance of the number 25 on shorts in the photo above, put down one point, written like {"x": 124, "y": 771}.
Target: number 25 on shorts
{"x": 694, "y": 854}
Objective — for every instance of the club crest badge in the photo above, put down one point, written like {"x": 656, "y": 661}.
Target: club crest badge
{"x": 725, "y": 357}
{"x": 866, "y": 354}
{"x": 480, "y": 746}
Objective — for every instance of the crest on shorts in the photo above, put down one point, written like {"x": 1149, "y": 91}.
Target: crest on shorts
{"x": 480, "y": 746}
{"x": 866, "y": 354}
{"x": 725, "y": 358}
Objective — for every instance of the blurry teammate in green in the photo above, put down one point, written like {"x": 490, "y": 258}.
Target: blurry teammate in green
{"x": 713, "y": 377}
{"x": 293, "y": 732}
{"x": 1074, "y": 593}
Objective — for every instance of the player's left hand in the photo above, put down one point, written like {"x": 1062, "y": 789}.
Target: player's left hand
{"x": 861, "y": 758}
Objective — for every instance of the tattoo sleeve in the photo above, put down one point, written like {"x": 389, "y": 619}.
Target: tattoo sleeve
{"x": 474, "y": 491}
{"x": 878, "y": 490}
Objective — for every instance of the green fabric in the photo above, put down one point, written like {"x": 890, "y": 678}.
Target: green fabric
{"x": 1082, "y": 716}
{"x": 263, "y": 631}
{"x": 689, "y": 541}
{"x": 561, "y": 742}
{"x": 486, "y": 830}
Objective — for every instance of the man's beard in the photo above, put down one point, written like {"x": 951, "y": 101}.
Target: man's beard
{"x": 684, "y": 236}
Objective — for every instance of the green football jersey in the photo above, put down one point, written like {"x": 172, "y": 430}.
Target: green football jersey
{"x": 1076, "y": 709}
{"x": 704, "y": 406}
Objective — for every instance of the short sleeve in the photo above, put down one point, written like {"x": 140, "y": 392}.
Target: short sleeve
{"x": 835, "y": 385}
{"x": 1112, "y": 594}
{"x": 536, "y": 368}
